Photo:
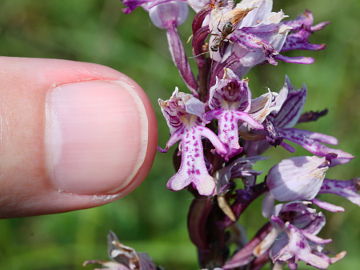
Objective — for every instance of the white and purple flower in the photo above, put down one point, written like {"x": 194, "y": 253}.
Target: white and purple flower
{"x": 250, "y": 33}
{"x": 297, "y": 227}
{"x": 229, "y": 103}
{"x": 184, "y": 116}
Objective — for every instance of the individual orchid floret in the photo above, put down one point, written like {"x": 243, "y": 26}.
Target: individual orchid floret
{"x": 297, "y": 178}
{"x": 183, "y": 114}
{"x": 123, "y": 257}
{"x": 169, "y": 14}
{"x": 297, "y": 226}
{"x": 254, "y": 33}
{"x": 289, "y": 115}
{"x": 282, "y": 124}
{"x": 230, "y": 101}
{"x": 301, "y": 29}
{"x": 348, "y": 189}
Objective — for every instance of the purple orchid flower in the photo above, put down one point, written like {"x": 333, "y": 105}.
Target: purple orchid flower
{"x": 183, "y": 114}
{"x": 302, "y": 178}
{"x": 287, "y": 118}
{"x": 239, "y": 168}
{"x": 297, "y": 227}
{"x": 268, "y": 103}
{"x": 283, "y": 122}
{"x": 230, "y": 102}
{"x": 256, "y": 32}
{"x": 297, "y": 178}
{"x": 253, "y": 34}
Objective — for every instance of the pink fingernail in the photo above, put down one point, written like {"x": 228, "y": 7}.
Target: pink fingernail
{"x": 96, "y": 136}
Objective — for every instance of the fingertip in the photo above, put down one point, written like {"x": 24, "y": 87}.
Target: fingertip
{"x": 99, "y": 136}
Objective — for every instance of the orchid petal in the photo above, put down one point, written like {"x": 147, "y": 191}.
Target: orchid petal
{"x": 328, "y": 206}
{"x": 312, "y": 142}
{"x": 292, "y": 107}
{"x": 298, "y": 178}
{"x": 348, "y": 189}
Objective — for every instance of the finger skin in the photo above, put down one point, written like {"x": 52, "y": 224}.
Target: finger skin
{"x": 25, "y": 187}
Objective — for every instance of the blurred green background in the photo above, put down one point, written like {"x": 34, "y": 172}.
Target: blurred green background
{"x": 153, "y": 219}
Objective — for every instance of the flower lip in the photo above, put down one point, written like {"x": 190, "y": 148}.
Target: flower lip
{"x": 183, "y": 113}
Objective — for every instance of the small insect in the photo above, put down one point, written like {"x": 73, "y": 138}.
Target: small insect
{"x": 221, "y": 38}
{"x": 235, "y": 16}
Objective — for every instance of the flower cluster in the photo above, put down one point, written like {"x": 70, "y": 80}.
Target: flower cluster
{"x": 222, "y": 130}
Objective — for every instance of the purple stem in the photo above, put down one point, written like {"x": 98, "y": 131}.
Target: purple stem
{"x": 205, "y": 232}
{"x": 199, "y": 212}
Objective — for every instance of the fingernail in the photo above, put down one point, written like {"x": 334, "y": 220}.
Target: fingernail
{"x": 96, "y": 136}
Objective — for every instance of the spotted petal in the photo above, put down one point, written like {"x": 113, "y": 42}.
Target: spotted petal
{"x": 193, "y": 168}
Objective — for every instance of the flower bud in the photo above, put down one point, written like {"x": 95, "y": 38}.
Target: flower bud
{"x": 298, "y": 178}
{"x": 169, "y": 13}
